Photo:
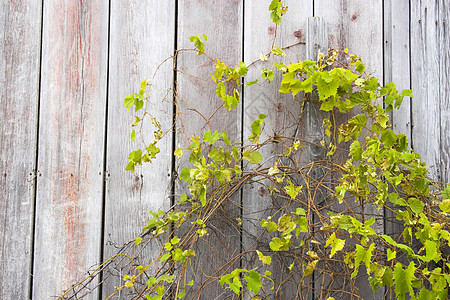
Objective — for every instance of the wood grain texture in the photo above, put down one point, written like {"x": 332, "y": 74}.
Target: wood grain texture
{"x": 19, "y": 85}
{"x": 444, "y": 87}
{"x": 397, "y": 70}
{"x": 283, "y": 118}
{"x": 358, "y": 26}
{"x": 222, "y": 22}
{"x": 141, "y": 37}
{"x": 71, "y": 142}
{"x": 317, "y": 42}
{"x": 425, "y": 66}
{"x": 397, "y": 59}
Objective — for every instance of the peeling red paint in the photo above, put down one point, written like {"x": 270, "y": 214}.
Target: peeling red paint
{"x": 74, "y": 231}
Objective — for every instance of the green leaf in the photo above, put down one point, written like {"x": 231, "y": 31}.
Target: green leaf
{"x": 356, "y": 150}
{"x": 266, "y": 260}
{"x": 267, "y": 74}
{"x": 198, "y": 43}
{"x": 327, "y": 89}
{"x": 242, "y": 69}
{"x": 135, "y": 157}
{"x": 256, "y": 127}
{"x": 236, "y": 285}
{"x": 336, "y": 244}
{"x": 432, "y": 251}
{"x": 133, "y": 135}
{"x": 254, "y": 157}
{"x": 391, "y": 254}
{"x": 275, "y": 8}
{"x": 129, "y": 100}
{"x": 175, "y": 240}
{"x": 416, "y": 205}
{"x": 178, "y": 152}
{"x": 254, "y": 282}
{"x": 270, "y": 225}
{"x": 363, "y": 255}
{"x": 277, "y": 51}
{"x": 138, "y": 241}
{"x": 165, "y": 257}
{"x": 181, "y": 294}
{"x": 292, "y": 190}
{"x": 403, "y": 279}
{"x": 388, "y": 138}
{"x": 407, "y": 93}
{"x": 136, "y": 121}
{"x": 445, "y": 205}
{"x": 186, "y": 175}
{"x": 138, "y": 104}
{"x": 252, "y": 82}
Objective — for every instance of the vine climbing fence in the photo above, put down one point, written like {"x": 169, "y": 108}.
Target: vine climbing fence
{"x": 66, "y": 202}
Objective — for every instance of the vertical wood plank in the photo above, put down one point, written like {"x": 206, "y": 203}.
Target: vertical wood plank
{"x": 358, "y": 26}
{"x": 397, "y": 60}
{"x": 141, "y": 37}
{"x": 19, "y": 85}
{"x": 282, "y": 118}
{"x": 444, "y": 87}
{"x": 397, "y": 70}
{"x": 71, "y": 140}
{"x": 317, "y": 42}
{"x": 426, "y": 110}
{"x": 222, "y": 23}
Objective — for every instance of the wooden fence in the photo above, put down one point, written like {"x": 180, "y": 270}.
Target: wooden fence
{"x": 66, "y": 67}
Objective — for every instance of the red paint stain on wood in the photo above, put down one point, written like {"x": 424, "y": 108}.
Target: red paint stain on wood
{"x": 74, "y": 230}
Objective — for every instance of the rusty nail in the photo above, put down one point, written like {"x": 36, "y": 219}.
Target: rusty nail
{"x": 419, "y": 21}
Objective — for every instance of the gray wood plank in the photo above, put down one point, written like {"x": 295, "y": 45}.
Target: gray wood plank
{"x": 397, "y": 70}
{"x": 222, "y": 22}
{"x": 397, "y": 60}
{"x": 141, "y": 37}
{"x": 358, "y": 26}
{"x": 425, "y": 68}
{"x": 71, "y": 144}
{"x": 444, "y": 87}
{"x": 19, "y": 85}
{"x": 317, "y": 42}
{"x": 282, "y": 118}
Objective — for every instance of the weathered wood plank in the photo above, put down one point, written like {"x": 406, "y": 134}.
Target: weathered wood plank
{"x": 396, "y": 59}
{"x": 222, "y": 23}
{"x": 282, "y": 118}
{"x": 317, "y": 42}
{"x": 397, "y": 70}
{"x": 444, "y": 87}
{"x": 71, "y": 142}
{"x": 358, "y": 26}
{"x": 141, "y": 37}
{"x": 19, "y": 85}
{"x": 426, "y": 112}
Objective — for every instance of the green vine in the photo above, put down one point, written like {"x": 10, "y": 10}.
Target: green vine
{"x": 336, "y": 237}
